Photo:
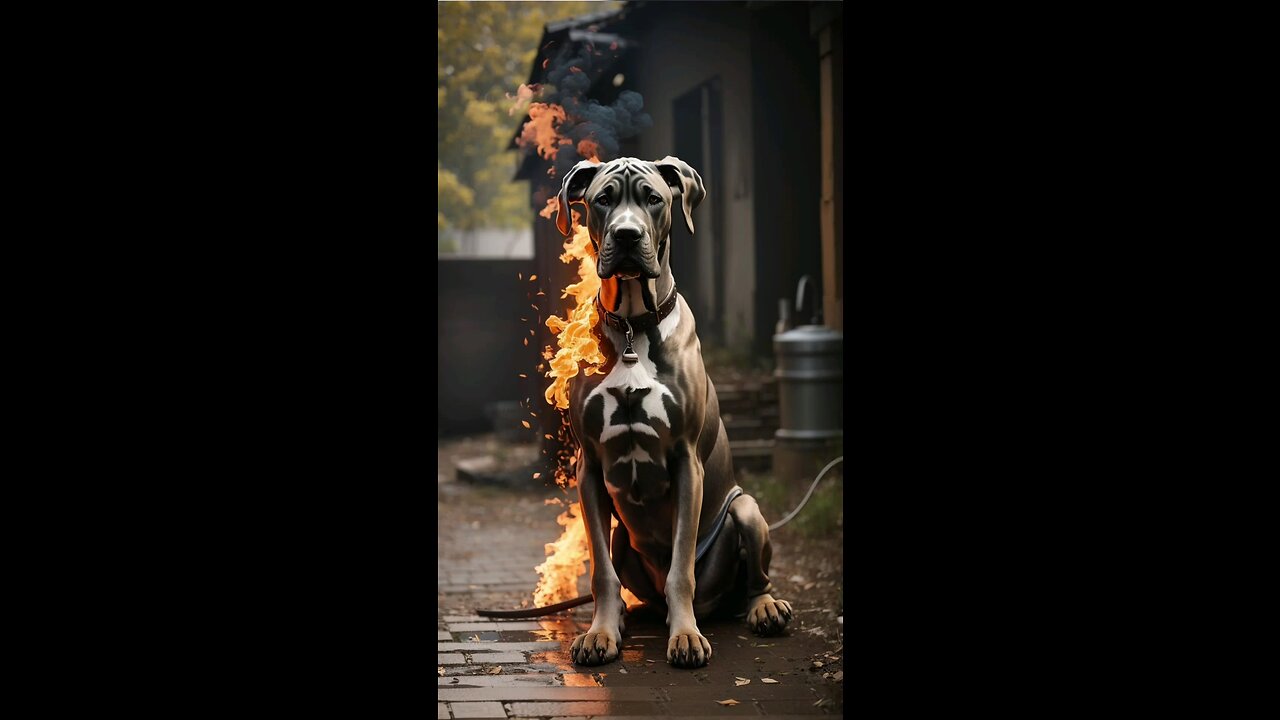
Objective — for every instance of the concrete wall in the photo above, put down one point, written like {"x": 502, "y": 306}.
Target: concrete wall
{"x": 480, "y": 351}
{"x": 691, "y": 44}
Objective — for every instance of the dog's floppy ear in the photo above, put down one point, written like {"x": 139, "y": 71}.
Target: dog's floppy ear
{"x": 685, "y": 182}
{"x": 574, "y": 185}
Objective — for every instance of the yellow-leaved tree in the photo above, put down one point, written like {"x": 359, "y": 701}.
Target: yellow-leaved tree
{"x": 485, "y": 51}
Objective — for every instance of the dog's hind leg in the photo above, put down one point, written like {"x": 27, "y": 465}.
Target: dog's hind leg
{"x": 766, "y": 615}
{"x": 718, "y": 583}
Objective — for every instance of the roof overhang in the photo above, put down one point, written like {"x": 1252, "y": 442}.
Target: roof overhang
{"x": 590, "y": 29}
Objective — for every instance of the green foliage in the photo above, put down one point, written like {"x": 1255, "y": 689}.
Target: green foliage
{"x": 821, "y": 516}
{"x": 485, "y": 51}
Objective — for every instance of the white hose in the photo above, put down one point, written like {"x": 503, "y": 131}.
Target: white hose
{"x": 787, "y": 519}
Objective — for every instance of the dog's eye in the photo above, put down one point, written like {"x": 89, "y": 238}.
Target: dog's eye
{"x": 655, "y": 200}
{"x": 603, "y": 200}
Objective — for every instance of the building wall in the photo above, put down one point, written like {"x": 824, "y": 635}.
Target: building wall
{"x": 681, "y": 48}
{"x": 480, "y": 351}
{"x": 788, "y": 161}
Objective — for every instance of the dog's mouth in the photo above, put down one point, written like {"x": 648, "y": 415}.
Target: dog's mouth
{"x": 627, "y": 264}
{"x": 628, "y": 270}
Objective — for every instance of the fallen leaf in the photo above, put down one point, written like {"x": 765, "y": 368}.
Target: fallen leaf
{"x": 761, "y": 644}
{"x": 819, "y": 702}
{"x": 495, "y": 671}
{"x": 739, "y": 682}
{"x": 769, "y": 681}
{"x": 826, "y": 676}
{"x": 524, "y": 423}
{"x": 537, "y": 475}
{"x": 742, "y": 638}
{"x": 808, "y": 586}
{"x": 838, "y": 676}
{"x": 650, "y": 661}
{"x": 730, "y": 701}
{"x": 622, "y": 670}
{"x": 817, "y": 663}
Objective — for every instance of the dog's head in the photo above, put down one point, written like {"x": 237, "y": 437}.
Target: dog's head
{"x": 629, "y": 205}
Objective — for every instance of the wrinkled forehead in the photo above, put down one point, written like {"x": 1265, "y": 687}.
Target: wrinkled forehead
{"x": 628, "y": 174}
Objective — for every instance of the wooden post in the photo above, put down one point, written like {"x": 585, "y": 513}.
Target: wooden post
{"x": 832, "y": 244}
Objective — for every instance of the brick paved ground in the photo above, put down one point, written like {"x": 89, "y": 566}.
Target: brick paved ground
{"x": 490, "y": 539}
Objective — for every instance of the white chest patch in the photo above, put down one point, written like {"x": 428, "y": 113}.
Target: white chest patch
{"x": 625, "y": 457}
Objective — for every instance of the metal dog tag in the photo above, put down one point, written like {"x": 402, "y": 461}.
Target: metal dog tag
{"x": 629, "y": 356}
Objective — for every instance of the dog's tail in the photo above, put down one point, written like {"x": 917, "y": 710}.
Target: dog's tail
{"x": 537, "y": 611}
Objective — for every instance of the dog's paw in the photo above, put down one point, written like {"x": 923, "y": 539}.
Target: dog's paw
{"x": 595, "y": 647}
{"x": 767, "y": 616}
{"x": 688, "y": 649}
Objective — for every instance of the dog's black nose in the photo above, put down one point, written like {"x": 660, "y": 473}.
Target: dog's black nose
{"x": 627, "y": 234}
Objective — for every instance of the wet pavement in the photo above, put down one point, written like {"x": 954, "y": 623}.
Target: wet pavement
{"x": 490, "y": 539}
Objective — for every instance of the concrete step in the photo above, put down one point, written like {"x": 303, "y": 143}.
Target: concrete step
{"x": 739, "y": 427}
{"x": 753, "y": 454}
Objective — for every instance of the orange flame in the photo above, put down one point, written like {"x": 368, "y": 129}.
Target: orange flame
{"x": 566, "y": 560}
{"x": 524, "y": 94}
{"x": 590, "y": 150}
{"x": 575, "y": 336}
{"x": 541, "y": 129}
{"x": 553, "y": 204}
{"x": 577, "y": 351}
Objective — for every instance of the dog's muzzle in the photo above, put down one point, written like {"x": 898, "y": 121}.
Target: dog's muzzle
{"x": 628, "y": 253}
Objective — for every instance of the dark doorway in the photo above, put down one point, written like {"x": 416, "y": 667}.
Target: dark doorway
{"x": 697, "y": 261}
{"x": 787, "y": 162}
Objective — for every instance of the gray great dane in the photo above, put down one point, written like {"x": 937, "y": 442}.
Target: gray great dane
{"x": 654, "y": 449}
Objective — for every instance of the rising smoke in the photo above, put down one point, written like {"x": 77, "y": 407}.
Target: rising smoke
{"x": 569, "y": 77}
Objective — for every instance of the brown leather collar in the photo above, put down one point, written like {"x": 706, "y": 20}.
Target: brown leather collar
{"x": 639, "y": 322}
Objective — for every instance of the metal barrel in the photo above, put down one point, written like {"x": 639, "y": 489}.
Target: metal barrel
{"x": 810, "y": 372}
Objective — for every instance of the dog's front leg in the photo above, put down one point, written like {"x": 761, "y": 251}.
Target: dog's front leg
{"x": 603, "y": 642}
{"x": 686, "y": 647}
